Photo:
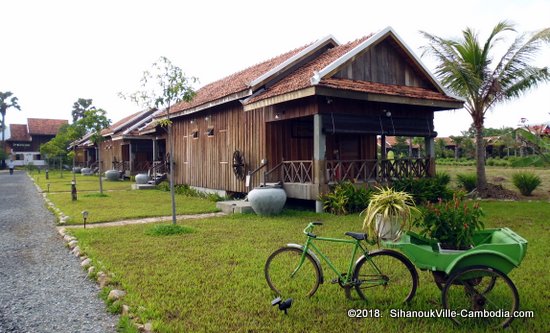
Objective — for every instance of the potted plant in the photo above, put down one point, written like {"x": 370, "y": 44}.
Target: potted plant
{"x": 452, "y": 223}
{"x": 388, "y": 213}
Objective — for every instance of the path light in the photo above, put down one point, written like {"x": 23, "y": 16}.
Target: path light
{"x": 85, "y": 217}
{"x": 47, "y": 174}
{"x": 48, "y": 187}
{"x": 283, "y": 305}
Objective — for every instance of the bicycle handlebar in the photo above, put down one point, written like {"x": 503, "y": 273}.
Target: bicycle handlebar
{"x": 310, "y": 227}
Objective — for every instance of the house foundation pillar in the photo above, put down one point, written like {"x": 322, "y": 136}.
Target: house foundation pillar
{"x": 319, "y": 164}
{"x": 430, "y": 152}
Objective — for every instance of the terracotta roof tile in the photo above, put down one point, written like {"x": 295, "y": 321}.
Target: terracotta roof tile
{"x": 39, "y": 126}
{"x": 386, "y": 89}
{"x": 300, "y": 78}
{"x": 18, "y": 132}
{"x": 234, "y": 83}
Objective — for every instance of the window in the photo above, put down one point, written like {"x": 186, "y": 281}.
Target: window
{"x": 195, "y": 134}
{"x": 210, "y": 131}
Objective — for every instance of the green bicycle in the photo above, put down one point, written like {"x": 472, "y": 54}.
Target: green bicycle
{"x": 385, "y": 275}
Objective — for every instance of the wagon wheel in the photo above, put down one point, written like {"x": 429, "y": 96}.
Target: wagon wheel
{"x": 481, "y": 289}
{"x": 239, "y": 165}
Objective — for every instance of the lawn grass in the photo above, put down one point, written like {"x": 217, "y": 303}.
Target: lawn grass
{"x": 503, "y": 176}
{"x": 211, "y": 280}
{"x": 129, "y": 204}
{"x": 83, "y": 183}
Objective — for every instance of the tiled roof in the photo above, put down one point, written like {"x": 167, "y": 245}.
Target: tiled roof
{"x": 39, "y": 126}
{"x": 385, "y": 89}
{"x": 300, "y": 78}
{"x": 19, "y": 133}
{"x": 234, "y": 83}
{"x": 111, "y": 128}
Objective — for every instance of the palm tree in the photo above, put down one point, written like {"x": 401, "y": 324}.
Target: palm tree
{"x": 466, "y": 68}
{"x": 4, "y": 106}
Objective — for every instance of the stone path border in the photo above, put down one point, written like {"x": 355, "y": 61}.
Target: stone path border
{"x": 145, "y": 220}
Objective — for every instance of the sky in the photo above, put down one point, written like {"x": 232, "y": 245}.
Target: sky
{"x": 54, "y": 52}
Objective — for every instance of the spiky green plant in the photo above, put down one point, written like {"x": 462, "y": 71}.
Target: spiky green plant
{"x": 389, "y": 204}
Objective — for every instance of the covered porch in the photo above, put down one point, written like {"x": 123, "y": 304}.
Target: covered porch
{"x": 308, "y": 154}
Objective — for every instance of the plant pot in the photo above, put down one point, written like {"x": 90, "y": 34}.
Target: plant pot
{"x": 77, "y": 169}
{"x": 142, "y": 178}
{"x": 86, "y": 171}
{"x": 112, "y": 175}
{"x": 388, "y": 229}
{"x": 267, "y": 200}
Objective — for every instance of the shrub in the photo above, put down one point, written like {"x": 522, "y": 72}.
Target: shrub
{"x": 345, "y": 198}
{"x": 526, "y": 182}
{"x": 425, "y": 189}
{"x": 452, "y": 223}
{"x": 468, "y": 181}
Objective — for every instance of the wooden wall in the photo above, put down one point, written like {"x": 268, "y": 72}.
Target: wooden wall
{"x": 384, "y": 63}
{"x": 204, "y": 145}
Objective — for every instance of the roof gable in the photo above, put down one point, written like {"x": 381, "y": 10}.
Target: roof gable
{"x": 128, "y": 122}
{"x": 18, "y": 132}
{"x": 387, "y": 34}
{"x": 38, "y": 126}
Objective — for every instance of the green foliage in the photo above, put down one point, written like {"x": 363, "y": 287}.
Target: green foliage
{"x": 467, "y": 181}
{"x": 390, "y": 204}
{"x": 171, "y": 281}
{"x": 80, "y": 107}
{"x": 125, "y": 325}
{"x": 425, "y": 189}
{"x": 526, "y": 182}
{"x": 345, "y": 198}
{"x": 168, "y": 230}
{"x": 452, "y": 222}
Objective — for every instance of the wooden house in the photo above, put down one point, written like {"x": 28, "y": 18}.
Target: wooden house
{"x": 308, "y": 118}
{"x": 122, "y": 149}
{"x": 25, "y": 139}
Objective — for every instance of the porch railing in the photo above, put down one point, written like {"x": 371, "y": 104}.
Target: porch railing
{"x": 121, "y": 166}
{"x": 378, "y": 170}
{"x": 291, "y": 172}
{"x": 354, "y": 170}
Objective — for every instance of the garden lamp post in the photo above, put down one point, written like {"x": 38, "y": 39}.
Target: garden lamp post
{"x": 85, "y": 217}
{"x": 73, "y": 190}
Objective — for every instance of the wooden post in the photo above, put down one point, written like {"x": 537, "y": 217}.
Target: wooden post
{"x": 430, "y": 152}
{"x": 319, "y": 163}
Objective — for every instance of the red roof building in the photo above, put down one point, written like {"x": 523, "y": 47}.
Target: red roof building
{"x": 25, "y": 139}
{"x": 308, "y": 118}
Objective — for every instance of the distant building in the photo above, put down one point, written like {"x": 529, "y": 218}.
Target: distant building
{"x": 24, "y": 141}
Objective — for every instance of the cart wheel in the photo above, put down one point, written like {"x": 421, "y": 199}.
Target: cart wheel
{"x": 440, "y": 278}
{"x": 480, "y": 296}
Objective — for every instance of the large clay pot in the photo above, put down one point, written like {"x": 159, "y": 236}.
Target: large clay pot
{"x": 267, "y": 200}
{"x": 77, "y": 169}
{"x": 112, "y": 175}
{"x": 86, "y": 171}
{"x": 142, "y": 178}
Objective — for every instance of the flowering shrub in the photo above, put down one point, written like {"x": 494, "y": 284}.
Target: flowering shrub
{"x": 452, "y": 223}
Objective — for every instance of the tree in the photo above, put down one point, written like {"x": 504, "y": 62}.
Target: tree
{"x": 7, "y": 100}
{"x": 80, "y": 107}
{"x": 94, "y": 121}
{"x": 466, "y": 68}
{"x": 162, "y": 87}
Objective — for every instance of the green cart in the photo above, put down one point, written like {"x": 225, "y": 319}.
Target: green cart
{"x": 474, "y": 283}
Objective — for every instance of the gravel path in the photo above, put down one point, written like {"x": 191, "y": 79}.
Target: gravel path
{"x": 42, "y": 287}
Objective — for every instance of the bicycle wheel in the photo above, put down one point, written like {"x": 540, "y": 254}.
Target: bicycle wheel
{"x": 481, "y": 296}
{"x": 287, "y": 278}
{"x": 386, "y": 277}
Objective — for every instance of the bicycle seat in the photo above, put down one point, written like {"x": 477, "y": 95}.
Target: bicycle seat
{"x": 357, "y": 235}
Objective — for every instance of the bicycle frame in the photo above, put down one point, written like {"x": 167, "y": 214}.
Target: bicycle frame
{"x": 344, "y": 278}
